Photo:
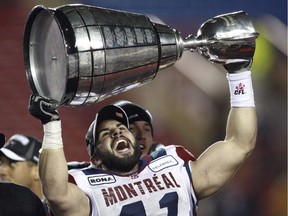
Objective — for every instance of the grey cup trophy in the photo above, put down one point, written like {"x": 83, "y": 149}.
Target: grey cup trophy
{"x": 78, "y": 54}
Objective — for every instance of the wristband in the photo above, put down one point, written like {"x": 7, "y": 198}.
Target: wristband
{"x": 52, "y": 135}
{"x": 241, "y": 90}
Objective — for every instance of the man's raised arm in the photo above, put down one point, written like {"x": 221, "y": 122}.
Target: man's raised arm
{"x": 217, "y": 164}
{"x": 64, "y": 198}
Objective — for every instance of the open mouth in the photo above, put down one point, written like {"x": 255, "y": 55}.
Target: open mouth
{"x": 121, "y": 145}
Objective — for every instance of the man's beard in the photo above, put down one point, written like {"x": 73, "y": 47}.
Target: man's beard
{"x": 117, "y": 164}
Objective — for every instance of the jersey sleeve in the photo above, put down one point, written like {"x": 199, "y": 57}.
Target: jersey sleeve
{"x": 184, "y": 154}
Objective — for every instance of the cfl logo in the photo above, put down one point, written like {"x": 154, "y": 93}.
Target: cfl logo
{"x": 239, "y": 89}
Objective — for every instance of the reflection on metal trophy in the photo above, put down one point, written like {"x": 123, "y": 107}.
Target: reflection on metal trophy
{"x": 79, "y": 54}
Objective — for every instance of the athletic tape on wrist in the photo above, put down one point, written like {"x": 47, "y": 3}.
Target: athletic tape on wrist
{"x": 52, "y": 135}
{"x": 241, "y": 89}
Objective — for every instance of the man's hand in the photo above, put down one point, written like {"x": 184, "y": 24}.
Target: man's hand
{"x": 238, "y": 67}
{"x": 43, "y": 109}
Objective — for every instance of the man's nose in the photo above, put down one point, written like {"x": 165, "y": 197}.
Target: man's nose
{"x": 116, "y": 132}
{"x": 139, "y": 134}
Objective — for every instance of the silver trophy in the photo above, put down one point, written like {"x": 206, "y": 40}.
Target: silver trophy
{"x": 78, "y": 54}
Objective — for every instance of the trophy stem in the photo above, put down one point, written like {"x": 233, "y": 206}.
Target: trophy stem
{"x": 192, "y": 43}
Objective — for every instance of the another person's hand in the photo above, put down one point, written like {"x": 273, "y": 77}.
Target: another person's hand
{"x": 43, "y": 109}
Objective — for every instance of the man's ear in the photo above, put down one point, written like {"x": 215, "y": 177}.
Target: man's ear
{"x": 97, "y": 161}
{"x": 35, "y": 173}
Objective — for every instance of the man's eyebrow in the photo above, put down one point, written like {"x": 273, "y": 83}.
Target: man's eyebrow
{"x": 104, "y": 129}
{"x": 145, "y": 123}
{"x": 107, "y": 129}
